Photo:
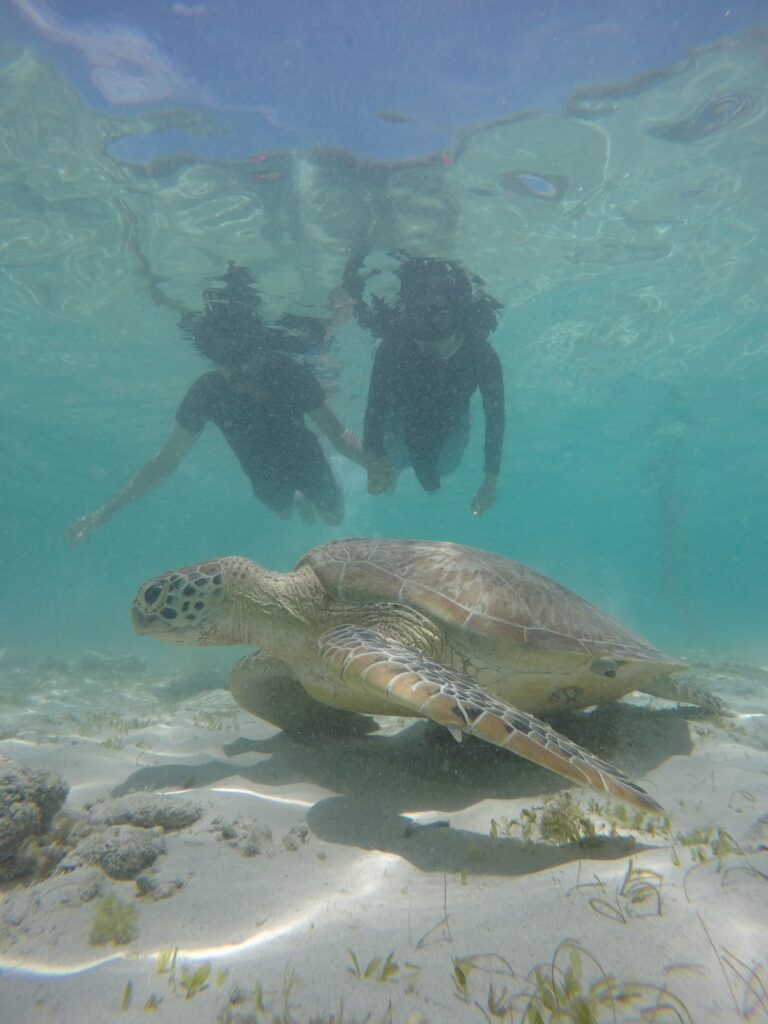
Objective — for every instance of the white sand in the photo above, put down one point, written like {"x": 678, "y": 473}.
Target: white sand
{"x": 361, "y": 862}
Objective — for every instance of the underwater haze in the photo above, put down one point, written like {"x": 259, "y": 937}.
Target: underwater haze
{"x": 624, "y": 235}
{"x": 171, "y": 850}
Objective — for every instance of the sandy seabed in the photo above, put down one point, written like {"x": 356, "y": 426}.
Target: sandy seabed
{"x": 398, "y": 877}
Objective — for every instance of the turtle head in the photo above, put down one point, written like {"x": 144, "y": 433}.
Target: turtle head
{"x": 191, "y": 605}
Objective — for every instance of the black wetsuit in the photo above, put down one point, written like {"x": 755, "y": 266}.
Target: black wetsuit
{"x": 425, "y": 399}
{"x": 264, "y": 426}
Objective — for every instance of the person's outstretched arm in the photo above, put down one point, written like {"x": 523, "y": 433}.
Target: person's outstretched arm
{"x": 492, "y": 392}
{"x": 149, "y": 476}
{"x": 343, "y": 440}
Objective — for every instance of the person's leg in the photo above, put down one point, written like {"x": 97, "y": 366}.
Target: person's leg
{"x": 317, "y": 483}
{"x": 276, "y": 495}
{"x": 384, "y": 470}
{"x": 285, "y": 501}
{"x": 304, "y": 508}
{"x": 395, "y": 447}
{"x": 454, "y": 446}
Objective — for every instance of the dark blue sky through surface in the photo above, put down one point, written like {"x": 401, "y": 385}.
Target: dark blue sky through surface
{"x": 290, "y": 73}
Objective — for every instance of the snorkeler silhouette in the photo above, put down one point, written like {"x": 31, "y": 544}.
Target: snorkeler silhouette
{"x": 258, "y": 397}
{"x": 434, "y": 354}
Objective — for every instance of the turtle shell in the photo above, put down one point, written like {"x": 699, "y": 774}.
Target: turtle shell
{"x": 490, "y": 599}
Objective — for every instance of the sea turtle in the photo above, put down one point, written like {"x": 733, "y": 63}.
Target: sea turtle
{"x": 467, "y": 638}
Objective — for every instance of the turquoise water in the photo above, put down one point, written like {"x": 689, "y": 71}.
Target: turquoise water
{"x": 632, "y": 338}
{"x": 625, "y": 238}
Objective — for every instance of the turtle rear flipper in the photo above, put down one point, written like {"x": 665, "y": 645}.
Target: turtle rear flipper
{"x": 265, "y": 687}
{"x": 380, "y": 667}
{"x": 677, "y": 688}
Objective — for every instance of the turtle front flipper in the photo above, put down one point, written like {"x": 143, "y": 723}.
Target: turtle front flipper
{"x": 368, "y": 661}
{"x": 266, "y": 688}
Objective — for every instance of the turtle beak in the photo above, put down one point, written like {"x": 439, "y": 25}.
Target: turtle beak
{"x": 141, "y": 621}
{"x": 152, "y": 624}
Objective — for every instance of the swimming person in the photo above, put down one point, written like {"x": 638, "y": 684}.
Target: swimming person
{"x": 258, "y": 397}
{"x": 433, "y": 356}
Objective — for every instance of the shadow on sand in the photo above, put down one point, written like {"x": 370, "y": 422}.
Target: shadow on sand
{"x": 379, "y": 780}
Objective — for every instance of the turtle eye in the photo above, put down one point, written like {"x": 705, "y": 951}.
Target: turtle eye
{"x": 153, "y": 593}
{"x": 605, "y": 667}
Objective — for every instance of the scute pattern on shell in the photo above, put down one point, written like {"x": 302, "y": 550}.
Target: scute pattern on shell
{"x": 485, "y": 594}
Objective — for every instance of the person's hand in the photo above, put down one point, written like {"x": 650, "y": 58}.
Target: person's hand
{"x": 80, "y": 531}
{"x": 354, "y": 448}
{"x": 485, "y": 497}
{"x": 382, "y": 474}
